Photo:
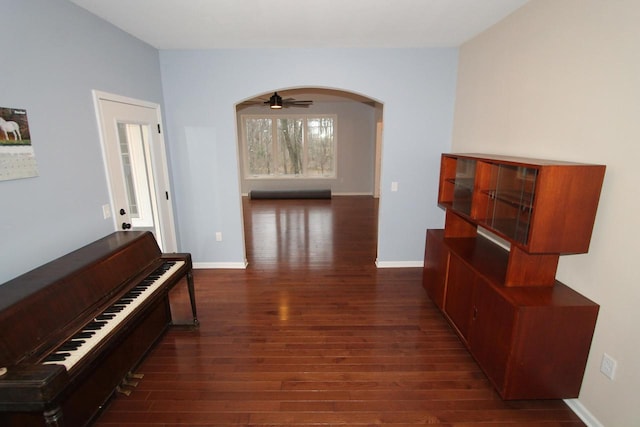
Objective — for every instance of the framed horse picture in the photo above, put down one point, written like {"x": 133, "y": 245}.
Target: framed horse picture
{"x": 17, "y": 159}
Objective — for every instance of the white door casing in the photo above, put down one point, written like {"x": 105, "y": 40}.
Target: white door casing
{"x": 136, "y": 167}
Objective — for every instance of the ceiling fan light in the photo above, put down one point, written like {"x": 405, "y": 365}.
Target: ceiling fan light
{"x": 275, "y": 102}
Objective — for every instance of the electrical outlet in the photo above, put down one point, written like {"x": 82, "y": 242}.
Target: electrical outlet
{"x": 608, "y": 366}
{"x": 218, "y": 236}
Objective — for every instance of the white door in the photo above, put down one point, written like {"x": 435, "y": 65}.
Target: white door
{"x": 135, "y": 161}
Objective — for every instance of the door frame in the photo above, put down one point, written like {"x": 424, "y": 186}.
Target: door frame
{"x": 160, "y": 171}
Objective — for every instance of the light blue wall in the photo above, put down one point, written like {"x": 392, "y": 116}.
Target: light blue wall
{"x": 416, "y": 86}
{"x": 54, "y": 54}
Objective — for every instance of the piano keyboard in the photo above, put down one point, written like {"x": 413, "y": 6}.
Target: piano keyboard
{"x": 94, "y": 332}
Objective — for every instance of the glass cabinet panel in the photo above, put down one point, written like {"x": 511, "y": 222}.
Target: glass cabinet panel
{"x": 510, "y": 200}
{"x": 463, "y": 185}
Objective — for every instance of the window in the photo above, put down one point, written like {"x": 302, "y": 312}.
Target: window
{"x": 301, "y": 146}
{"x": 134, "y": 152}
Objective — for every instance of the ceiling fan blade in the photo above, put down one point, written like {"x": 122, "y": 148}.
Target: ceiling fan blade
{"x": 250, "y": 103}
{"x": 300, "y": 103}
{"x": 286, "y": 103}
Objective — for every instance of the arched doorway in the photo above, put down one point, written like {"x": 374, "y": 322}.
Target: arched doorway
{"x": 357, "y": 121}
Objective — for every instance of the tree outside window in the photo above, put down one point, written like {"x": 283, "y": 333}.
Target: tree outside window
{"x": 259, "y": 143}
{"x": 321, "y": 146}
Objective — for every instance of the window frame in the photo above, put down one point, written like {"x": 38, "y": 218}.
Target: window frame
{"x": 275, "y": 146}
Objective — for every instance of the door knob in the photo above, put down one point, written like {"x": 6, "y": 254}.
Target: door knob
{"x": 126, "y": 226}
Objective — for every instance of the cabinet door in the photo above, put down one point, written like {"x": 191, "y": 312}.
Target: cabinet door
{"x": 457, "y": 176}
{"x": 491, "y": 332}
{"x": 436, "y": 258}
{"x": 463, "y": 185}
{"x": 509, "y": 204}
{"x": 459, "y": 295}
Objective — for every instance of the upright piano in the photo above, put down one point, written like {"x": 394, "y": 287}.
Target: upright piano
{"x": 73, "y": 329}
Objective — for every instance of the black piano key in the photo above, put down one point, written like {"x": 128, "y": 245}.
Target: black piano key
{"x": 70, "y": 345}
{"x": 57, "y": 357}
{"x": 92, "y": 326}
{"x": 83, "y": 334}
{"x": 105, "y": 317}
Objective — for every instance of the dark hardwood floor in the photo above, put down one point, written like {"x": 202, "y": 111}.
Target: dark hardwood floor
{"x": 312, "y": 334}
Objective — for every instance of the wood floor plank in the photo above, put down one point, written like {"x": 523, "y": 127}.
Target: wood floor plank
{"x": 313, "y": 334}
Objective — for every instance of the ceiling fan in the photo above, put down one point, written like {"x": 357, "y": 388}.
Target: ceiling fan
{"x": 276, "y": 102}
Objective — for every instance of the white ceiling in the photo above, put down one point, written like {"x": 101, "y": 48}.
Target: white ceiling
{"x": 211, "y": 24}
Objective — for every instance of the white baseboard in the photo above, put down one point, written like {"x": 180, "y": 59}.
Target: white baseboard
{"x": 399, "y": 264}
{"x": 219, "y": 265}
{"x": 582, "y": 412}
{"x": 333, "y": 194}
{"x": 243, "y": 265}
{"x": 352, "y": 194}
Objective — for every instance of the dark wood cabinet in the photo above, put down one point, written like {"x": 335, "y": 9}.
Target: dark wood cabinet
{"x": 530, "y": 333}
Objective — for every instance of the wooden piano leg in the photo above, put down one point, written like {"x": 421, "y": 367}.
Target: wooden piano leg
{"x": 192, "y": 297}
{"x": 53, "y": 417}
